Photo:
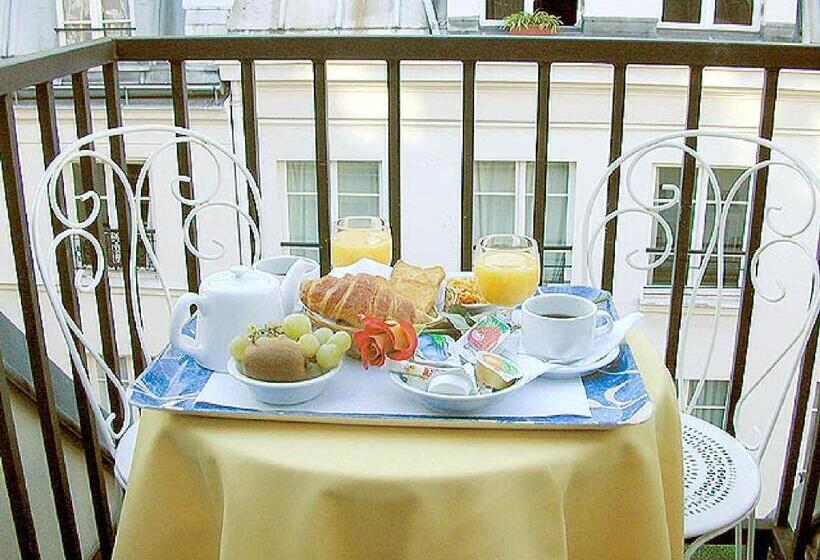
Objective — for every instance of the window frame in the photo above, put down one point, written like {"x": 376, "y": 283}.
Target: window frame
{"x": 707, "y": 19}
{"x": 689, "y": 386}
{"x": 520, "y": 204}
{"x": 333, "y": 184}
{"x": 698, "y": 226}
{"x": 484, "y": 21}
{"x": 95, "y": 22}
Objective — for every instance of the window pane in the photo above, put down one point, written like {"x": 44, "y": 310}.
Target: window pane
{"x": 494, "y": 214}
{"x": 120, "y": 29}
{"x": 557, "y": 265}
{"x": 358, "y": 177}
{"x": 714, "y": 394}
{"x": 308, "y": 252}
{"x": 681, "y": 11}
{"x": 558, "y": 178}
{"x": 74, "y": 10}
{"x": 133, "y": 171}
{"x": 115, "y": 9}
{"x": 495, "y": 176}
{"x": 737, "y": 12}
{"x": 726, "y": 178}
{"x": 77, "y": 33}
{"x": 358, "y": 206}
{"x": 499, "y": 9}
{"x": 302, "y": 207}
{"x": 301, "y": 176}
{"x": 98, "y": 175}
{"x": 529, "y": 202}
{"x": 555, "y": 224}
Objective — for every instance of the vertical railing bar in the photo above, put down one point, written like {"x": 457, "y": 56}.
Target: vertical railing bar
{"x": 98, "y": 228}
{"x": 754, "y": 229}
{"x": 14, "y": 475}
{"x": 467, "y": 161}
{"x": 50, "y": 140}
{"x": 179, "y": 95}
{"x": 803, "y": 531}
{"x": 681, "y": 262}
{"x": 35, "y": 335}
{"x": 616, "y": 137}
{"x": 321, "y": 158}
{"x": 251, "y": 129}
{"x": 394, "y": 151}
{"x": 798, "y": 423}
{"x": 542, "y": 135}
{"x": 124, "y": 220}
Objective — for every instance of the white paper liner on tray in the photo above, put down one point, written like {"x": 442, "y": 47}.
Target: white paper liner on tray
{"x": 355, "y": 391}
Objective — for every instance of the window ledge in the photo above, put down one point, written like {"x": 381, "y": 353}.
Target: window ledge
{"x": 657, "y": 299}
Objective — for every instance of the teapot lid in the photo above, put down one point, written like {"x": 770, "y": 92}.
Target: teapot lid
{"x": 238, "y": 278}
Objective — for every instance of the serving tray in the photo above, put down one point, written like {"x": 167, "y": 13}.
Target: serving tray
{"x": 616, "y": 394}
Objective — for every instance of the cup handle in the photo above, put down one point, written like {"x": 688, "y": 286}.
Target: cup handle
{"x": 606, "y": 328}
{"x": 179, "y": 316}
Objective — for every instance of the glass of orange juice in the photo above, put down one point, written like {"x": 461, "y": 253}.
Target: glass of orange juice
{"x": 358, "y": 237}
{"x": 507, "y": 268}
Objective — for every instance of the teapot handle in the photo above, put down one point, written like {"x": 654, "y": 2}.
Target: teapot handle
{"x": 179, "y": 316}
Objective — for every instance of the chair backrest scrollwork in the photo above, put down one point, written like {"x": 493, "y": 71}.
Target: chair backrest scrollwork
{"x": 776, "y": 236}
{"x": 45, "y": 246}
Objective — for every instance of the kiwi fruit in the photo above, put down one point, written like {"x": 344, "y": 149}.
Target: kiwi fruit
{"x": 277, "y": 360}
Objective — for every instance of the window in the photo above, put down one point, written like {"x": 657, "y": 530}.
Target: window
{"x": 711, "y": 404}
{"x": 704, "y": 213}
{"x": 83, "y": 252}
{"x": 496, "y": 10}
{"x": 83, "y": 20}
{"x": 709, "y": 13}
{"x": 355, "y": 190}
{"x": 503, "y": 203}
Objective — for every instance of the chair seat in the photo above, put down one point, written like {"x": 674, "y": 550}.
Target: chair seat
{"x": 125, "y": 454}
{"x": 721, "y": 480}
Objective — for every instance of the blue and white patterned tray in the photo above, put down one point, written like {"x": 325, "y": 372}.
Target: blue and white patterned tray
{"x": 616, "y": 395}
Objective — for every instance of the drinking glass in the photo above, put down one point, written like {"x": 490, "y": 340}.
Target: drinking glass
{"x": 357, "y": 237}
{"x": 507, "y": 268}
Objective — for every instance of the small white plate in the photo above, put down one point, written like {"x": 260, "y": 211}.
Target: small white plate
{"x": 456, "y": 404}
{"x": 555, "y": 370}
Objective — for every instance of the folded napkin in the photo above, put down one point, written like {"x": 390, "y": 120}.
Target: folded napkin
{"x": 372, "y": 392}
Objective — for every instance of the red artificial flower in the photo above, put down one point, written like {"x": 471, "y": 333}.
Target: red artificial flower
{"x": 379, "y": 339}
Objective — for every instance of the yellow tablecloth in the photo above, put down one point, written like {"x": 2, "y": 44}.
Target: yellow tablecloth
{"x": 213, "y": 488}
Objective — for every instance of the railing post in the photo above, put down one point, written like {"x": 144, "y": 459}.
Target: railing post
{"x": 616, "y": 138}
{"x": 124, "y": 219}
{"x": 14, "y": 475}
{"x": 681, "y": 262}
{"x": 394, "y": 151}
{"x": 321, "y": 158}
{"x": 179, "y": 93}
{"x": 754, "y": 229}
{"x": 35, "y": 336}
{"x": 91, "y": 182}
{"x": 803, "y": 529}
{"x": 467, "y": 161}
{"x": 251, "y": 129}
{"x": 542, "y": 134}
{"x": 47, "y": 116}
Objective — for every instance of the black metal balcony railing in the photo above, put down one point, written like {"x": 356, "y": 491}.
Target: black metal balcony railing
{"x": 40, "y": 70}
{"x": 84, "y": 256}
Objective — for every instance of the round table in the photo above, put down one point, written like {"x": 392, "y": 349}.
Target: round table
{"x": 217, "y": 488}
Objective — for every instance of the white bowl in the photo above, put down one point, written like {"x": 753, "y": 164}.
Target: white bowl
{"x": 456, "y": 404}
{"x": 282, "y": 393}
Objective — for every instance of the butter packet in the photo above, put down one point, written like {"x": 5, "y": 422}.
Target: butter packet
{"x": 436, "y": 349}
{"x": 485, "y": 336}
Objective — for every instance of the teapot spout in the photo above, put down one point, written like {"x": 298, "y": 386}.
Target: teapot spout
{"x": 289, "y": 288}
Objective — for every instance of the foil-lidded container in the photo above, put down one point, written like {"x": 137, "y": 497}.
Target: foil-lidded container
{"x": 496, "y": 371}
{"x": 460, "y": 380}
{"x": 487, "y": 335}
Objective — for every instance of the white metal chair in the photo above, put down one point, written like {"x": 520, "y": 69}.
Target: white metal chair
{"x": 721, "y": 473}
{"x": 121, "y": 442}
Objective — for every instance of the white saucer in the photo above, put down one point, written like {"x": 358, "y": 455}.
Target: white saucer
{"x": 555, "y": 370}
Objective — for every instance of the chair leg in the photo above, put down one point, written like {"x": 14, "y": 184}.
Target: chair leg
{"x": 750, "y": 537}
{"x": 739, "y": 540}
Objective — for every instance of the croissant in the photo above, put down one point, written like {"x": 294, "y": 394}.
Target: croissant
{"x": 349, "y": 298}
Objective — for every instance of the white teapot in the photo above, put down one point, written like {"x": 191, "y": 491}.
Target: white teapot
{"x": 228, "y": 302}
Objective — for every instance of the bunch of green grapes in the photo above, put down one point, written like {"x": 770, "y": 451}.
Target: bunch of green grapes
{"x": 322, "y": 348}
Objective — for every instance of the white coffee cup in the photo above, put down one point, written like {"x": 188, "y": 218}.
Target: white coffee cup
{"x": 561, "y": 327}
